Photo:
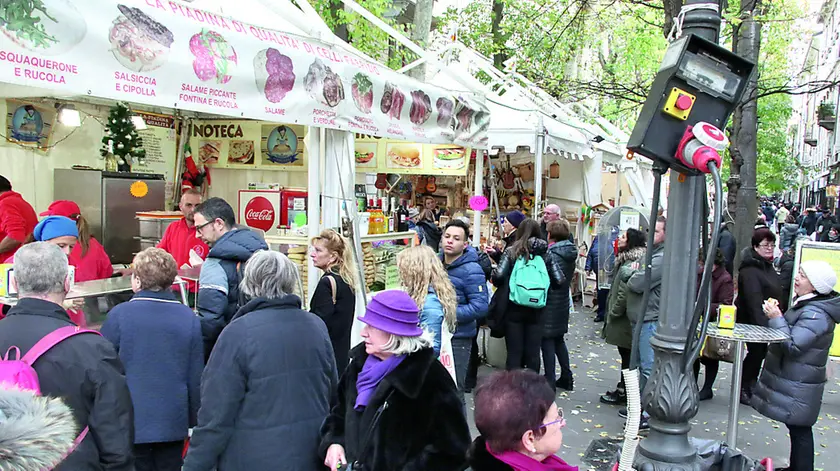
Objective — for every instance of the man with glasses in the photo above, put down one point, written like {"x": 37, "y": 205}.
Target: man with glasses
{"x": 757, "y": 282}
{"x": 230, "y": 249}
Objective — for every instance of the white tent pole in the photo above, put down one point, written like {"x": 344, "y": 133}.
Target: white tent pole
{"x": 478, "y": 190}
{"x": 313, "y": 206}
{"x": 539, "y": 166}
{"x": 385, "y": 27}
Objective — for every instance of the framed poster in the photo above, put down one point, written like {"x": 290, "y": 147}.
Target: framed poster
{"x": 827, "y": 252}
{"x": 366, "y": 154}
{"x": 28, "y": 124}
{"x": 281, "y": 145}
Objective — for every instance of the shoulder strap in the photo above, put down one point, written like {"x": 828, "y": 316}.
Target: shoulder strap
{"x": 51, "y": 340}
{"x": 333, "y": 286}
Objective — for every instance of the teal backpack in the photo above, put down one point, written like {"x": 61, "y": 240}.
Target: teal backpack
{"x": 529, "y": 282}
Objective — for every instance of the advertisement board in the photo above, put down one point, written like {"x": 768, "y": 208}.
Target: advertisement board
{"x": 827, "y": 252}
{"x": 260, "y": 209}
{"x": 171, "y": 54}
{"x": 383, "y": 155}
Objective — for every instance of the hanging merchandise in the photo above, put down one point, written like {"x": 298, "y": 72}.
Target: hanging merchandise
{"x": 554, "y": 170}
{"x": 121, "y": 139}
{"x": 193, "y": 176}
{"x": 526, "y": 172}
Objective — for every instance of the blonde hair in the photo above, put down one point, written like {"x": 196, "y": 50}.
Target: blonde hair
{"x": 419, "y": 268}
{"x": 344, "y": 264}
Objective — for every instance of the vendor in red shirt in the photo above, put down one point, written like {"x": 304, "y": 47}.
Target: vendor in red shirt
{"x": 88, "y": 255}
{"x": 180, "y": 239}
{"x": 17, "y": 220}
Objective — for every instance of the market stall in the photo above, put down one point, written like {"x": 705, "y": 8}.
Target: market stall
{"x": 250, "y": 102}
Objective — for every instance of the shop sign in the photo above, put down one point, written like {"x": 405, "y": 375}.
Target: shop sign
{"x": 249, "y": 144}
{"x": 394, "y": 156}
{"x": 28, "y": 124}
{"x": 259, "y": 213}
{"x": 173, "y": 55}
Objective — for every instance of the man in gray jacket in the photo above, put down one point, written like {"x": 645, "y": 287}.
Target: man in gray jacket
{"x": 637, "y": 285}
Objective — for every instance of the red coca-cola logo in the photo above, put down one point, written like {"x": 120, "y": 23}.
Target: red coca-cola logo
{"x": 259, "y": 214}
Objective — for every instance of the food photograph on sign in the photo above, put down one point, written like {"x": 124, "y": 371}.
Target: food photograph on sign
{"x": 241, "y": 153}
{"x": 366, "y": 154}
{"x": 214, "y": 58}
{"x": 48, "y": 27}
{"x": 448, "y": 157}
{"x": 404, "y": 156}
{"x": 209, "y": 152}
{"x": 282, "y": 145}
{"x": 275, "y": 74}
{"x": 323, "y": 85}
{"x": 138, "y": 42}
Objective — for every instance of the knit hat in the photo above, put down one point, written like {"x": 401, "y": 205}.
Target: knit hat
{"x": 55, "y": 226}
{"x": 515, "y": 218}
{"x": 820, "y": 274}
{"x": 64, "y": 208}
{"x": 394, "y": 312}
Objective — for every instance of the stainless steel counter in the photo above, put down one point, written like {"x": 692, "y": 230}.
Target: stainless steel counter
{"x": 92, "y": 289}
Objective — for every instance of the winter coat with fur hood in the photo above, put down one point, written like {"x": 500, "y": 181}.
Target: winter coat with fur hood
{"x": 617, "y": 328}
{"x": 421, "y": 424}
{"x": 36, "y": 431}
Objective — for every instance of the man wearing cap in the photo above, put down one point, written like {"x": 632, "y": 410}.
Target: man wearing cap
{"x": 790, "y": 388}
{"x": 180, "y": 239}
{"x": 17, "y": 220}
{"x": 88, "y": 255}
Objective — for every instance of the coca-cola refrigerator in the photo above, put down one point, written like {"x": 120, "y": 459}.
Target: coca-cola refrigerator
{"x": 260, "y": 209}
{"x": 292, "y": 204}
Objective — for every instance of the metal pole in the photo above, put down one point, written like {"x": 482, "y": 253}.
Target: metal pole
{"x": 670, "y": 395}
{"x": 735, "y": 395}
{"x": 539, "y": 167}
{"x": 478, "y": 190}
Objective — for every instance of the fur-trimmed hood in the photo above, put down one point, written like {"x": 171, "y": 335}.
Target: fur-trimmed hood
{"x": 631, "y": 255}
{"x": 35, "y": 432}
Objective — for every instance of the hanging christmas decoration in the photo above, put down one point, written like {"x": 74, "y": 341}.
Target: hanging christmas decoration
{"x": 122, "y": 140}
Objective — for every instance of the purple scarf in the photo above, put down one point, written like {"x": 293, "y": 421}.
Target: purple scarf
{"x": 520, "y": 462}
{"x": 372, "y": 373}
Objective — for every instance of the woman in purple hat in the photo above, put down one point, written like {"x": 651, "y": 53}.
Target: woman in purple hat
{"x": 397, "y": 406}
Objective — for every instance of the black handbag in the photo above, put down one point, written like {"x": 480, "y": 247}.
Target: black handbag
{"x": 497, "y": 311}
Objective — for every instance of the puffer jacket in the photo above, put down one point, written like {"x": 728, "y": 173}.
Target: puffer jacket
{"x": 433, "y": 319}
{"x": 790, "y": 388}
{"x": 218, "y": 295}
{"x": 618, "y": 329}
{"x": 787, "y": 236}
{"x": 501, "y": 275}
{"x": 555, "y": 318}
{"x": 636, "y": 283}
{"x": 467, "y": 277}
{"x": 757, "y": 282}
{"x": 36, "y": 432}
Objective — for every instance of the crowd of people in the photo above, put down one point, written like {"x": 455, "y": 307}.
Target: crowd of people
{"x": 254, "y": 381}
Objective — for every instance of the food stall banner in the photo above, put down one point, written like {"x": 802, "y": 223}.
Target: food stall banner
{"x": 171, "y": 54}
{"x": 377, "y": 155}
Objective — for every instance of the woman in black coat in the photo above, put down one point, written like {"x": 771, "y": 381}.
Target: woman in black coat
{"x": 555, "y": 318}
{"x": 523, "y": 331}
{"x": 397, "y": 407}
{"x": 334, "y": 299}
{"x": 757, "y": 282}
{"x": 266, "y": 389}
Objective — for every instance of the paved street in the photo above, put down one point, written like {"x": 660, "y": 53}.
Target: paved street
{"x": 596, "y": 366}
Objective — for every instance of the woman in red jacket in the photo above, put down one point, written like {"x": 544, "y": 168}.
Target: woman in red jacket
{"x": 88, "y": 256}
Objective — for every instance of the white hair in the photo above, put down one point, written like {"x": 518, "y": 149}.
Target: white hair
{"x": 40, "y": 269}
{"x": 400, "y": 345}
{"x": 269, "y": 274}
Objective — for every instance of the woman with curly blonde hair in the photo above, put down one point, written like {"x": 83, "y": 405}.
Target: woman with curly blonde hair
{"x": 334, "y": 299}
{"x": 426, "y": 281}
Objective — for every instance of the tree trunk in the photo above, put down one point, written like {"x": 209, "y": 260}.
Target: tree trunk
{"x": 420, "y": 33}
{"x": 672, "y": 9}
{"x": 340, "y": 30}
{"x": 742, "y": 183}
{"x": 499, "y": 56}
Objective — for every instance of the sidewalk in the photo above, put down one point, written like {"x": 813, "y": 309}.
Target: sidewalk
{"x": 594, "y": 429}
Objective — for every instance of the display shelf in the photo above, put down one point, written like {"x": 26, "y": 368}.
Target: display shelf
{"x": 286, "y": 240}
{"x": 388, "y": 236}
{"x": 303, "y": 240}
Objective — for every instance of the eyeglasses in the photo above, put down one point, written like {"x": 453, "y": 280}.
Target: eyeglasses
{"x": 765, "y": 246}
{"x": 199, "y": 228}
{"x": 560, "y": 420}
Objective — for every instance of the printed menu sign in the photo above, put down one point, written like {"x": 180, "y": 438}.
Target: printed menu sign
{"x": 171, "y": 54}
{"x": 161, "y": 145}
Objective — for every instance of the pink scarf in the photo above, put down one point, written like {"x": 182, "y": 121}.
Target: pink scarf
{"x": 520, "y": 462}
